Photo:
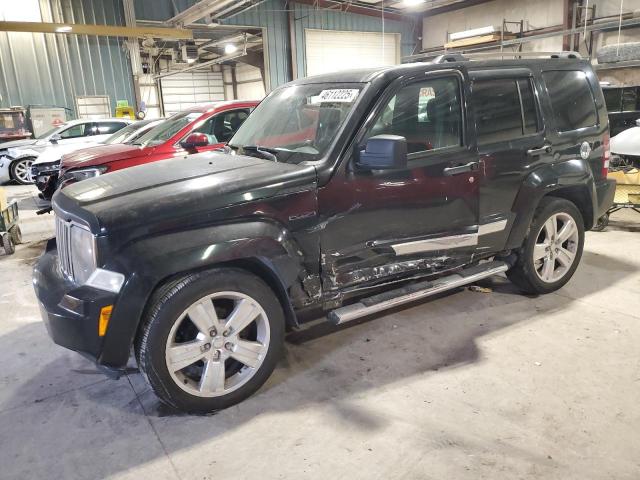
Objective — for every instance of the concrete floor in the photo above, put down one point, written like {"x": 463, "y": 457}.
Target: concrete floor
{"x": 468, "y": 386}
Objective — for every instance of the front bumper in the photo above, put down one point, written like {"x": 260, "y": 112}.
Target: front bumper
{"x": 605, "y": 191}
{"x": 71, "y": 312}
{"x": 45, "y": 176}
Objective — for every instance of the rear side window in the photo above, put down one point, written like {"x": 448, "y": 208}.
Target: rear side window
{"x": 505, "y": 109}
{"x": 109, "y": 127}
{"x": 571, "y": 99}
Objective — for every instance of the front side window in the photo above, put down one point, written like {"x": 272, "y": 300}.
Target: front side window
{"x": 427, "y": 114}
{"x": 227, "y": 124}
{"x": 505, "y": 109}
{"x": 571, "y": 99}
{"x": 297, "y": 123}
{"x": 80, "y": 130}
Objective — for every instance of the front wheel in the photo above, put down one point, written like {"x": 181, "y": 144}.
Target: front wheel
{"x": 21, "y": 171}
{"x": 552, "y": 250}
{"x": 210, "y": 339}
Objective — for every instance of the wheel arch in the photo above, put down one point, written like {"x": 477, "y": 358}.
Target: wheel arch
{"x": 571, "y": 180}
{"x": 155, "y": 263}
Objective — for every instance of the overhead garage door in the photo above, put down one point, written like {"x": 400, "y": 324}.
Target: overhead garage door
{"x": 331, "y": 50}
{"x": 183, "y": 90}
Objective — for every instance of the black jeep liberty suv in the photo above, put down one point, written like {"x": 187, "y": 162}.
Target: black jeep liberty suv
{"x": 349, "y": 192}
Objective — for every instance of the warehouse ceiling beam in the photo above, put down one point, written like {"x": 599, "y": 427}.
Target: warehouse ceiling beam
{"x": 202, "y": 9}
{"x": 97, "y": 30}
{"x": 348, "y": 7}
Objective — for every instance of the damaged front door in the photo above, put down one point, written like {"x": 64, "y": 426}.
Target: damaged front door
{"x": 378, "y": 225}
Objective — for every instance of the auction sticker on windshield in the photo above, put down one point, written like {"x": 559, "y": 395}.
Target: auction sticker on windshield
{"x": 346, "y": 95}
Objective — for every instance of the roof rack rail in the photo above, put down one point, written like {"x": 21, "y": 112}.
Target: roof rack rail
{"x": 459, "y": 57}
{"x": 450, "y": 57}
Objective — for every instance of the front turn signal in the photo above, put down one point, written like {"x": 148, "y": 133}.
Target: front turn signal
{"x": 103, "y": 322}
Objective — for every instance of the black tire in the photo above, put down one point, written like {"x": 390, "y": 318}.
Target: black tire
{"x": 523, "y": 274}
{"x": 602, "y": 223}
{"x": 165, "y": 308}
{"x": 16, "y": 175}
{"x": 7, "y": 244}
{"x": 16, "y": 234}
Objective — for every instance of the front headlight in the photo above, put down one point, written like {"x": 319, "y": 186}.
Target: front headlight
{"x": 83, "y": 254}
{"x": 84, "y": 173}
{"x": 74, "y": 176}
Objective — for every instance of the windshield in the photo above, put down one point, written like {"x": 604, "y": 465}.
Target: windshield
{"x": 121, "y": 135}
{"x": 167, "y": 129}
{"x": 297, "y": 123}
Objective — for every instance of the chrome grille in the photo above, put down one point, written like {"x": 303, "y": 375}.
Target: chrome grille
{"x": 63, "y": 242}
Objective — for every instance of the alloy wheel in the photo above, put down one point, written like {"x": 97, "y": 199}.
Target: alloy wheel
{"x": 22, "y": 171}
{"x": 556, "y": 247}
{"x": 217, "y": 344}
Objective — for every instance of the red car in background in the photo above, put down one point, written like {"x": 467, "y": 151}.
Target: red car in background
{"x": 198, "y": 129}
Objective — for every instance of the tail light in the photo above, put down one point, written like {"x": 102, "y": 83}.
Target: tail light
{"x": 606, "y": 155}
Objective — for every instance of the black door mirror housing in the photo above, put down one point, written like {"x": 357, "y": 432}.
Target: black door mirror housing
{"x": 383, "y": 152}
{"x": 55, "y": 137}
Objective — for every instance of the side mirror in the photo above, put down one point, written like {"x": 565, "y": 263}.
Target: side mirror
{"x": 55, "y": 138}
{"x": 194, "y": 141}
{"x": 383, "y": 152}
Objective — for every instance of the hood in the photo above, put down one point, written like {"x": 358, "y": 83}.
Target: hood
{"x": 101, "y": 154}
{"x": 18, "y": 143}
{"x": 176, "y": 193}
{"x": 55, "y": 152}
{"x": 627, "y": 142}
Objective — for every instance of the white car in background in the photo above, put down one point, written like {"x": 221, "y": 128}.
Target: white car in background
{"x": 44, "y": 171}
{"x": 625, "y": 148}
{"x": 16, "y": 157}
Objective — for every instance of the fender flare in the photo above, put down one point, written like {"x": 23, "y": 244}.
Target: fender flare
{"x": 571, "y": 179}
{"x": 262, "y": 247}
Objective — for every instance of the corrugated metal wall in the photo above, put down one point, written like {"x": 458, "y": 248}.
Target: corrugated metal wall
{"x": 49, "y": 69}
{"x": 272, "y": 16}
{"x": 306, "y": 16}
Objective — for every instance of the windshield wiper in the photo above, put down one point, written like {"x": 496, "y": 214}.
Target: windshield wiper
{"x": 264, "y": 152}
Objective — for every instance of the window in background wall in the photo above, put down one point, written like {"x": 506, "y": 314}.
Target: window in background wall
{"x": 26, "y": 11}
{"x": 94, "y": 106}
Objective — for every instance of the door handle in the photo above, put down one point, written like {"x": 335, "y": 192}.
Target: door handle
{"x": 457, "y": 170}
{"x": 539, "y": 151}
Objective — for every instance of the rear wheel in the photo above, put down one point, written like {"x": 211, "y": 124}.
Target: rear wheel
{"x": 553, "y": 248}
{"x": 21, "y": 170}
{"x": 210, "y": 339}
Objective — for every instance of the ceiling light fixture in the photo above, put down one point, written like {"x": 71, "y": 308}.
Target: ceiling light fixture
{"x": 412, "y": 3}
{"x": 230, "y": 48}
{"x": 64, "y": 29}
